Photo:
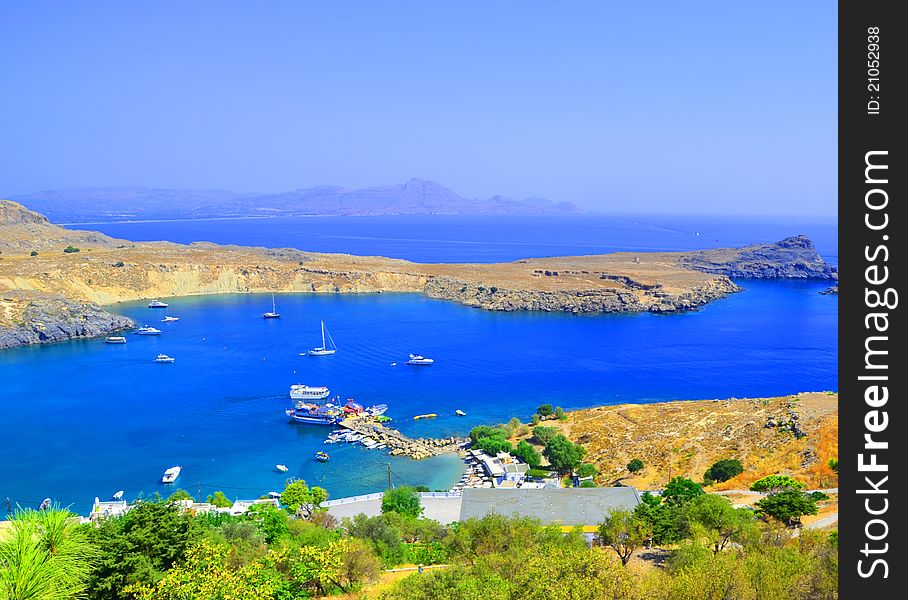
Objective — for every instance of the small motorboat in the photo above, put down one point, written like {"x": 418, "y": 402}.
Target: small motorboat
{"x": 420, "y": 360}
{"x": 163, "y": 358}
{"x": 282, "y": 468}
{"x": 45, "y": 505}
{"x": 169, "y": 319}
{"x": 460, "y": 413}
{"x": 118, "y": 495}
{"x": 157, "y": 304}
{"x": 146, "y": 330}
{"x": 171, "y": 474}
{"x": 274, "y": 495}
{"x": 115, "y": 339}
{"x": 321, "y": 456}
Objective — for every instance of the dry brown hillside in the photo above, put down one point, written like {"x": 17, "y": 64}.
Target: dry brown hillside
{"x": 686, "y": 437}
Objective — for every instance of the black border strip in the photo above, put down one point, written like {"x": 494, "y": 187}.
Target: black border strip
{"x": 871, "y": 262}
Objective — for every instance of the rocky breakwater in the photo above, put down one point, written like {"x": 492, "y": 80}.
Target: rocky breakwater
{"x": 792, "y": 258}
{"x": 27, "y": 319}
{"x": 400, "y": 444}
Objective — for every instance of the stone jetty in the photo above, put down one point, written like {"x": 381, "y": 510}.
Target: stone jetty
{"x": 400, "y": 444}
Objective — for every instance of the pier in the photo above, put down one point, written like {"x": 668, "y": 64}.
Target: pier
{"x": 400, "y": 444}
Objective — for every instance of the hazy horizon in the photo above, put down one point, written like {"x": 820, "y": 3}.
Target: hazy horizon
{"x": 709, "y": 109}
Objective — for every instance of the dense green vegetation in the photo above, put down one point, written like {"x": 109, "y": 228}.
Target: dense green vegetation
{"x": 70, "y": 249}
{"x": 159, "y": 550}
{"x": 723, "y": 470}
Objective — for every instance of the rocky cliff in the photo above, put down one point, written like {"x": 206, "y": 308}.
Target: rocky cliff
{"x": 27, "y": 319}
{"x": 792, "y": 258}
{"x": 55, "y": 280}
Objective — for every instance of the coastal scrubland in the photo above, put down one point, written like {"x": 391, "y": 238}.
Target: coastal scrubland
{"x": 796, "y": 434}
{"x": 685, "y": 545}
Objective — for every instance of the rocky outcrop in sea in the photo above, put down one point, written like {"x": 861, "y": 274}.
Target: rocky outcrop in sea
{"x": 55, "y": 319}
{"x": 793, "y": 258}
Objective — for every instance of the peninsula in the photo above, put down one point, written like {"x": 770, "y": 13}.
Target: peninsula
{"x": 55, "y": 281}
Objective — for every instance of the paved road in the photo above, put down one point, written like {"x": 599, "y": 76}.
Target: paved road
{"x": 751, "y": 493}
{"x": 824, "y": 522}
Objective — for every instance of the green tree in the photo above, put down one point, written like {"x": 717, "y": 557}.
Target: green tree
{"x": 535, "y": 420}
{"x": 512, "y": 426}
{"x": 663, "y": 520}
{"x": 681, "y": 490}
{"x": 587, "y": 470}
{"x": 776, "y": 483}
{"x": 139, "y": 546}
{"x": 559, "y": 413}
{"x": 220, "y": 500}
{"x": 34, "y": 253}
{"x": 714, "y": 518}
{"x": 70, "y": 249}
{"x": 723, "y": 470}
{"x": 179, "y": 494}
{"x": 481, "y": 431}
{"x": 403, "y": 500}
{"x": 623, "y": 532}
{"x": 635, "y": 465}
{"x": 833, "y": 464}
{"x": 528, "y": 454}
{"x": 545, "y": 410}
{"x": 45, "y": 555}
{"x": 494, "y": 444}
{"x": 788, "y": 506}
{"x": 543, "y": 434}
{"x": 562, "y": 454}
{"x": 301, "y": 499}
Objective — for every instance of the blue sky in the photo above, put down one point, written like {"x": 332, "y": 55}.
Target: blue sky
{"x": 718, "y": 107}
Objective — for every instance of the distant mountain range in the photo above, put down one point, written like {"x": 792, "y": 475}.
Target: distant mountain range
{"x": 415, "y": 197}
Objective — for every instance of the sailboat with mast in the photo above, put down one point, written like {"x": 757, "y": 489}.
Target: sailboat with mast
{"x": 273, "y": 314}
{"x": 328, "y": 346}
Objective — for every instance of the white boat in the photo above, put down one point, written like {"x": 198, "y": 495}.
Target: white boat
{"x": 419, "y": 360}
{"x": 326, "y": 349}
{"x": 157, "y": 304}
{"x": 282, "y": 468}
{"x": 170, "y": 319}
{"x": 273, "y": 314}
{"x": 118, "y": 495}
{"x": 171, "y": 474}
{"x": 299, "y": 391}
{"x": 163, "y": 358}
{"x": 115, "y": 339}
{"x": 146, "y": 330}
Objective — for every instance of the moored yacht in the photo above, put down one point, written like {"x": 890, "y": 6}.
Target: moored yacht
{"x": 273, "y": 314}
{"x": 419, "y": 360}
{"x": 157, "y": 304}
{"x": 115, "y": 339}
{"x": 146, "y": 330}
{"x": 314, "y": 414}
{"x": 171, "y": 474}
{"x": 118, "y": 495}
{"x": 169, "y": 319}
{"x": 328, "y": 346}
{"x": 163, "y": 358}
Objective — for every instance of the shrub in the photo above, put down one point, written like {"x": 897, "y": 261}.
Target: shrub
{"x": 587, "y": 470}
{"x": 220, "y": 500}
{"x": 403, "y": 501}
{"x": 70, "y": 249}
{"x": 723, "y": 470}
{"x": 34, "y": 253}
{"x": 119, "y": 263}
{"x": 635, "y": 465}
{"x": 180, "y": 494}
{"x": 494, "y": 444}
{"x": 539, "y": 473}
{"x": 545, "y": 410}
{"x": 559, "y": 413}
{"x": 776, "y": 483}
{"x": 528, "y": 454}
{"x": 544, "y": 435}
{"x": 535, "y": 419}
{"x": 788, "y": 506}
{"x": 589, "y": 483}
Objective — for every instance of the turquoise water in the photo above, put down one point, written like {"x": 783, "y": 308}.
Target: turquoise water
{"x": 84, "y": 419}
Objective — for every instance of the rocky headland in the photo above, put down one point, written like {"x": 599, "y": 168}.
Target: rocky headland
{"x": 55, "y": 281}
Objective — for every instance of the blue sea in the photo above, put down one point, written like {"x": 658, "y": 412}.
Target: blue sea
{"x": 84, "y": 419}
